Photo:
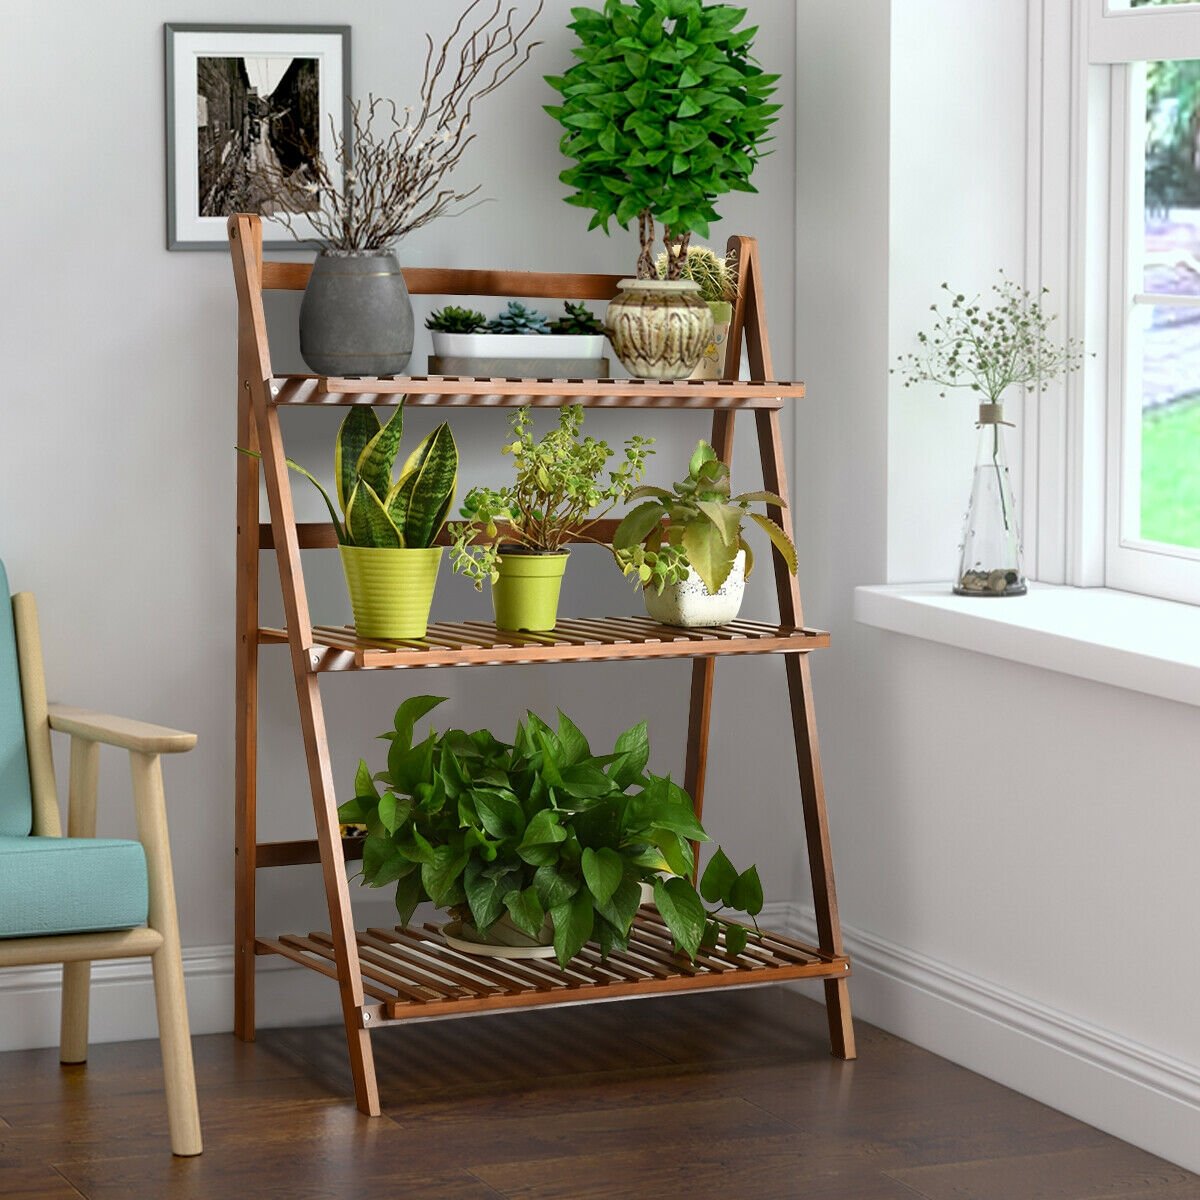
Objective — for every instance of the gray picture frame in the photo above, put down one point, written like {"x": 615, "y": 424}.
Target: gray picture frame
{"x": 176, "y": 236}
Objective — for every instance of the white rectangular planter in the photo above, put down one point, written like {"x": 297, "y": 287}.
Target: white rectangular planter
{"x": 518, "y": 345}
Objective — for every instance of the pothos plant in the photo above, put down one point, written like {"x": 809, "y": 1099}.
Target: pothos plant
{"x": 558, "y": 494}
{"x": 371, "y": 509}
{"x": 696, "y": 524}
{"x": 664, "y": 110}
{"x": 540, "y": 828}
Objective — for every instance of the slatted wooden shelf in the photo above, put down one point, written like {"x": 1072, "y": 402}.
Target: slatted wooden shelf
{"x": 460, "y": 392}
{"x": 480, "y": 643}
{"x": 412, "y": 973}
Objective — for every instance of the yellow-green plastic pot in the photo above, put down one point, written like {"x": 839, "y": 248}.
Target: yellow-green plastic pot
{"x": 525, "y": 597}
{"x": 391, "y": 591}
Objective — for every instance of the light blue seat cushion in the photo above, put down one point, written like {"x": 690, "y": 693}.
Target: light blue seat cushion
{"x": 16, "y": 805}
{"x": 70, "y": 885}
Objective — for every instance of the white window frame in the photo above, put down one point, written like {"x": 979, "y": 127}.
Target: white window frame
{"x": 1078, "y": 207}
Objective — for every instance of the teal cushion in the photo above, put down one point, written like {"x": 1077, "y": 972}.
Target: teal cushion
{"x": 16, "y": 804}
{"x": 70, "y": 885}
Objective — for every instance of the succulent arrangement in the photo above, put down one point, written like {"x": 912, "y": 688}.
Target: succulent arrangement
{"x": 697, "y": 524}
{"x": 579, "y": 320}
{"x": 371, "y": 509}
{"x": 716, "y": 276}
{"x": 542, "y": 833}
{"x": 516, "y": 318}
{"x": 556, "y": 494}
{"x": 453, "y": 319}
{"x": 664, "y": 111}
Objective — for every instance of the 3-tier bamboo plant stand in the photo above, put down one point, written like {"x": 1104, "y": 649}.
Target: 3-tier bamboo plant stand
{"x": 387, "y": 976}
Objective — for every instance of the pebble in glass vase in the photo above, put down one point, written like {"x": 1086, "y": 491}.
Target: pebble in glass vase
{"x": 990, "y": 562}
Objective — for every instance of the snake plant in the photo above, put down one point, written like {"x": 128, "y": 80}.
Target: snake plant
{"x": 375, "y": 512}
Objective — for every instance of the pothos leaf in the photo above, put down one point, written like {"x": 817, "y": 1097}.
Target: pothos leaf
{"x": 572, "y": 926}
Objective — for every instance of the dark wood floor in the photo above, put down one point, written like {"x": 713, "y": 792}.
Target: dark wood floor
{"x": 709, "y": 1096}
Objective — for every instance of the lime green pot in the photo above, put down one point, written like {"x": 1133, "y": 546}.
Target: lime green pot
{"x": 525, "y": 597}
{"x": 391, "y": 591}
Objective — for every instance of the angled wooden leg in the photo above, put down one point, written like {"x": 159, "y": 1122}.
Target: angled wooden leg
{"x": 183, "y": 1115}
{"x": 77, "y": 976}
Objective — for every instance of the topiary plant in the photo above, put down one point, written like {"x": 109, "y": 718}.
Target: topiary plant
{"x": 664, "y": 111}
{"x": 580, "y": 320}
{"x": 407, "y": 514}
{"x": 453, "y": 319}
{"x": 516, "y": 318}
{"x": 716, "y": 276}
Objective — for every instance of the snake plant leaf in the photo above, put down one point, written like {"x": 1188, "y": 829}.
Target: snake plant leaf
{"x": 341, "y": 531}
{"x": 359, "y": 427}
{"x": 378, "y": 456}
{"x": 436, "y": 463}
{"x": 781, "y": 541}
{"x": 367, "y": 521}
{"x": 725, "y": 517}
{"x": 708, "y": 554}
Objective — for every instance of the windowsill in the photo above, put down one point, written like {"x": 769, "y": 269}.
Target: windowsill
{"x": 1129, "y": 641}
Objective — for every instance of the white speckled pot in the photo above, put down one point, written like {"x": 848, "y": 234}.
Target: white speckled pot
{"x": 691, "y": 605}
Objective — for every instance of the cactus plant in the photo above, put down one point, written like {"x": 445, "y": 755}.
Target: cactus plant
{"x": 453, "y": 319}
{"x": 580, "y": 320}
{"x": 716, "y": 276}
{"x": 375, "y": 512}
{"x": 516, "y": 318}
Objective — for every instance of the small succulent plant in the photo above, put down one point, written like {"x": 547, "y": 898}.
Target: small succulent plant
{"x": 579, "y": 320}
{"x": 453, "y": 319}
{"x": 516, "y": 318}
{"x": 716, "y": 276}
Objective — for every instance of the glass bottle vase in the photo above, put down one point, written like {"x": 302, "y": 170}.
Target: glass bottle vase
{"x": 990, "y": 560}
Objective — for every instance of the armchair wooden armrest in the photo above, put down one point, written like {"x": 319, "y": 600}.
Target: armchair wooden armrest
{"x": 138, "y": 736}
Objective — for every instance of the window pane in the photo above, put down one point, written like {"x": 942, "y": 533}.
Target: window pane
{"x": 1169, "y": 340}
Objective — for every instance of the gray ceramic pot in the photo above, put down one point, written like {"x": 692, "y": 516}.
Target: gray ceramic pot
{"x": 356, "y": 318}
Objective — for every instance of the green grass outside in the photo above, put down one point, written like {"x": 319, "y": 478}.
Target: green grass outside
{"x": 1171, "y": 474}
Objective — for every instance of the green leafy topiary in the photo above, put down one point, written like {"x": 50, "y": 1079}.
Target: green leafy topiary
{"x": 705, "y": 530}
{"x": 579, "y": 320}
{"x": 453, "y": 319}
{"x": 541, "y": 828}
{"x": 664, "y": 111}
{"x": 516, "y": 318}
{"x": 716, "y": 276}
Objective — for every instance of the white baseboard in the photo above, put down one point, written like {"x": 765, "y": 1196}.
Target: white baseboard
{"x": 1127, "y": 1089}
{"x": 1094, "y": 1074}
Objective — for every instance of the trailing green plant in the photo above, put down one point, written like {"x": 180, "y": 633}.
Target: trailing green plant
{"x": 664, "y": 111}
{"x": 555, "y": 497}
{"x": 516, "y": 318}
{"x": 453, "y": 319}
{"x": 371, "y": 510}
{"x": 989, "y": 350}
{"x": 579, "y": 320}
{"x": 704, "y": 530}
{"x": 716, "y": 276}
{"x": 541, "y": 827}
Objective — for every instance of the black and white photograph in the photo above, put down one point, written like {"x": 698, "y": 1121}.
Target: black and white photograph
{"x": 249, "y": 112}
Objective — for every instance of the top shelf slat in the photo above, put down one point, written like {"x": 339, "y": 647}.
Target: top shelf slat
{"x": 550, "y": 393}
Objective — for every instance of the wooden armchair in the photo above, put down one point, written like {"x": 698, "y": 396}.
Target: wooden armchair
{"x": 77, "y": 898}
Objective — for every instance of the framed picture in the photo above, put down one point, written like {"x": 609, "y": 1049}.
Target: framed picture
{"x": 246, "y": 105}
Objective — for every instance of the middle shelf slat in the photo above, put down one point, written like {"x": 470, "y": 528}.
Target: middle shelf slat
{"x": 579, "y": 639}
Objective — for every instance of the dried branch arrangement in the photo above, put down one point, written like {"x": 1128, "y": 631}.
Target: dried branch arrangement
{"x": 387, "y": 177}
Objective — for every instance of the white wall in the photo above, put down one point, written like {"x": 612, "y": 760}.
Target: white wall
{"x": 117, "y": 460}
{"x": 1012, "y": 845}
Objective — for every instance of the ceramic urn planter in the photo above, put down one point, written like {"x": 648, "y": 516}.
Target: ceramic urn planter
{"x": 659, "y": 328}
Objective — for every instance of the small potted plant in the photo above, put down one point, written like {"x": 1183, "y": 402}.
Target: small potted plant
{"x": 685, "y": 546}
{"x": 990, "y": 352}
{"x": 517, "y": 343}
{"x": 538, "y": 846}
{"x": 717, "y": 279}
{"x": 386, "y": 531}
{"x": 517, "y": 536}
{"x": 664, "y": 111}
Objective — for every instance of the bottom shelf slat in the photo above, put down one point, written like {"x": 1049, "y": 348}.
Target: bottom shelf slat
{"x": 412, "y": 973}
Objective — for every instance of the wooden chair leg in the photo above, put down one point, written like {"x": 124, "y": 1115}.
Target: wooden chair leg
{"x": 183, "y": 1115}
{"x": 73, "y": 1039}
{"x": 82, "y": 783}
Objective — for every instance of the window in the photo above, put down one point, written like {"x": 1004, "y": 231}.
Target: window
{"x": 1115, "y": 233}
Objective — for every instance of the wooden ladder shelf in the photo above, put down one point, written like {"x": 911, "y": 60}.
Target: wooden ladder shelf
{"x": 387, "y": 976}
